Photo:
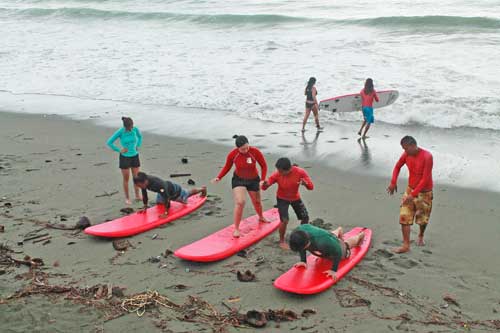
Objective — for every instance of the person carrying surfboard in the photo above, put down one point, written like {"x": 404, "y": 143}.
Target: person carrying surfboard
{"x": 245, "y": 178}
{"x": 130, "y": 139}
{"x": 289, "y": 179}
{"x": 368, "y": 94}
{"x": 324, "y": 244}
{"x": 166, "y": 191}
{"x": 311, "y": 104}
{"x": 416, "y": 203}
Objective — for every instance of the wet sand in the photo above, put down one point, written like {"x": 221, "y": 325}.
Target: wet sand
{"x": 56, "y": 170}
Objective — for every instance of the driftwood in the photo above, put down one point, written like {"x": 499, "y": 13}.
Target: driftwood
{"x": 42, "y": 239}
{"x": 174, "y": 175}
{"x": 106, "y": 194}
{"x": 35, "y": 237}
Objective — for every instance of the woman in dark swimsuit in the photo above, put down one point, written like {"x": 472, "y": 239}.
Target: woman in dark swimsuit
{"x": 311, "y": 103}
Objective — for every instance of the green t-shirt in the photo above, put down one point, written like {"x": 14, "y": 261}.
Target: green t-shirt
{"x": 323, "y": 244}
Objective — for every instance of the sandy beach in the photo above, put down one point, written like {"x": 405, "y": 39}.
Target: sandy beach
{"x": 56, "y": 170}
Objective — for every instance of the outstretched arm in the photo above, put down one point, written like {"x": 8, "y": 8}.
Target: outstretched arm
{"x": 306, "y": 180}
{"x": 262, "y": 162}
{"x": 227, "y": 166}
{"x": 270, "y": 181}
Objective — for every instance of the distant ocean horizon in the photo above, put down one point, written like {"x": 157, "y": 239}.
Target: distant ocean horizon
{"x": 253, "y": 58}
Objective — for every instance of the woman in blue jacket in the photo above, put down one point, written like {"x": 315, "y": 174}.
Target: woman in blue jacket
{"x": 130, "y": 140}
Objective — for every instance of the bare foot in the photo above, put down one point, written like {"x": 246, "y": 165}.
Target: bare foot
{"x": 263, "y": 219}
{"x": 127, "y": 202}
{"x": 359, "y": 133}
{"x": 339, "y": 232}
{"x": 203, "y": 191}
{"x": 420, "y": 241}
{"x": 284, "y": 246}
{"x": 361, "y": 236}
{"x": 236, "y": 233}
{"x": 402, "y": 249}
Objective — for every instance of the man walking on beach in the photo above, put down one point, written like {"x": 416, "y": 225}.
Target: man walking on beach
{"x": 416, "y": 203}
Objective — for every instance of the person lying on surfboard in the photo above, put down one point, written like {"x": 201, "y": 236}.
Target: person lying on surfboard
{"x": 289, "y": 179}
{"x": 167, "y": 191}
{"x": 323, "y": 243}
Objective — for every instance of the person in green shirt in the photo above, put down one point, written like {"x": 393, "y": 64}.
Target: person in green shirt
{"x": 323, "y": 243}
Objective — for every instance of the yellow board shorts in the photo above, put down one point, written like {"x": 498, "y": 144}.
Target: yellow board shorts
{"x": 418, "y": 210}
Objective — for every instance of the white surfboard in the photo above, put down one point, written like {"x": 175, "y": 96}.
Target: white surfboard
{"x": 352, "y": 102}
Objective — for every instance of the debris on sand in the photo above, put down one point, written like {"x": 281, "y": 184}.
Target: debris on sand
{"x": 450, "y": 300}
{"x": 127, "y": 210}
{"x": 121, "y": 244}
{"x": 247, "y": 276}
{"x": 83, "y": 222}
{"x": 256, "y": 318}
{"x": 320, "y": 223}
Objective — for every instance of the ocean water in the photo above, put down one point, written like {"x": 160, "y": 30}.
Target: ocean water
{"x": 168, "y": 63}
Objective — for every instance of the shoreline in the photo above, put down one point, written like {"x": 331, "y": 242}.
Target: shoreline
{"x": 464, "y": 156}
{"x": 83, "y": 167}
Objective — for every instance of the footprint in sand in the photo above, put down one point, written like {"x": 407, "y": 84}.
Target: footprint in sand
{"x": 394, "y": 242}
{"x": 404, "y": 262}
{"x": 285, "y": 146}
{"x": 344, "y": 138}
{"x": 331, "y": 141}
{"x": 427, "y": 251}
{"x": 223, "y": 139}
{"x": 260, "y": 135}
{"x": 274, "y": 133}
{"x": 384, "y": 253}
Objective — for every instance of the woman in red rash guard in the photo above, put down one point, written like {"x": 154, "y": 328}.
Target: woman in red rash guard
{"x": 245, "y": 178}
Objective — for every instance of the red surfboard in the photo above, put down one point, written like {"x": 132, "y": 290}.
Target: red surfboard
{"x": 139, "y": 222}
{"x": 222, "y": 244}
{"x": 312, "y": 280}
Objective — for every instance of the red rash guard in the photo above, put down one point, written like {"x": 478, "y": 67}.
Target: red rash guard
{"x": 288, "y": 186}
{"x": 246, "y": 164}
{"x": 420, "y": 168}
{"x": 367, "y": 100}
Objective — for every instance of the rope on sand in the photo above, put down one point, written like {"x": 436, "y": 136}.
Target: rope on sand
{"x": 140, "y": 302}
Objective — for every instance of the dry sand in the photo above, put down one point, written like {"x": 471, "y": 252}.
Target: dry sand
{"x": 53, "y": 170}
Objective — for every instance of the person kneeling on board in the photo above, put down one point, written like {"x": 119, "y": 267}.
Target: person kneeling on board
{"x": 289, "y": 179}
{"x": 167, "y": 191}
{"x": 323, "y": 243}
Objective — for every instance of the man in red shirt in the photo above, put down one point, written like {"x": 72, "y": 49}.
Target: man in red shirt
{"x": 416, "y": 203}
{"x": 289, "y": 179}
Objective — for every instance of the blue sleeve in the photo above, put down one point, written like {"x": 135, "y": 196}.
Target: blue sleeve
{"x": 139, "y": 137}
{"x": 113, "y": 138}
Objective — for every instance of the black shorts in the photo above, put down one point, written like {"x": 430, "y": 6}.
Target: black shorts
{"x": 298, "y": 207}
{"x": 252, "y": 185}
{"x": 129, "y": 162}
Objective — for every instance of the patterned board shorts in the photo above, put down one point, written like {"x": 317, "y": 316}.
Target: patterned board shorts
{"x": 418, "y": 210}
